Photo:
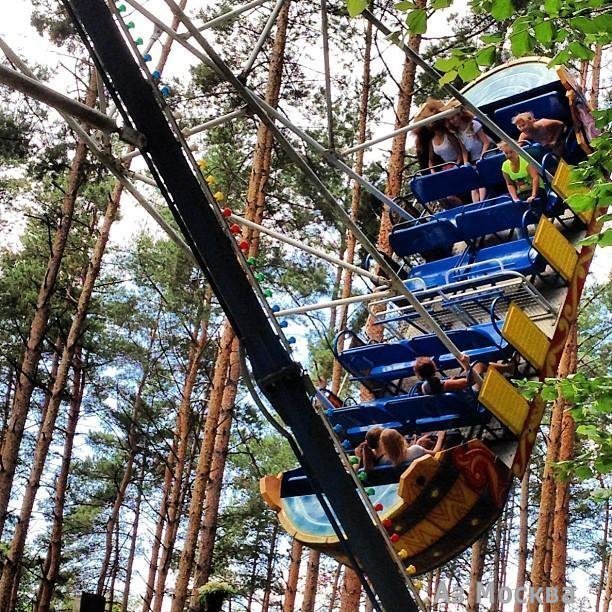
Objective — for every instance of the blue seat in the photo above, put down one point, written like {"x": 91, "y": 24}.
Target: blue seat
{"x": 492, "y": 219}
{"x": 481, "y": 342}
{"x": 517, "y": 255}
{"x": 429, "y": 187}
{"x": 489, "y": 167}
{"x": 361, "y": 360}
{"x": 551, "y": 105}
{"x": 453, "y": 213}
{"x": 377, "y": 364}
{"x": 411, "y": 414}
{"x": 433, "y": 274}
{"x": 436, "y": 233}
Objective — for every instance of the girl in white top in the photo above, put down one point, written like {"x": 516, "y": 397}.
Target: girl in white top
{"x": 470, "y": 133}
{"x": 446, "y": 145}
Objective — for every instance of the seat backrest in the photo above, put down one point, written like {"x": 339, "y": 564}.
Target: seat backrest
{"x": 491, "y": 219}
{"x": 409, "y": 410}
{"x": 434, "y": 234}
{"x": 489, "y": 169}
{"x": 551, "y": 105}
{"x": 429, "y": 187}
{"x": 358, "y": 361}
{"x": 433, "y": 274}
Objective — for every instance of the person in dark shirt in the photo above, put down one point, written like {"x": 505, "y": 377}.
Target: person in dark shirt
{"x": 425, "y": 369}
{"x": 369, "y": 451}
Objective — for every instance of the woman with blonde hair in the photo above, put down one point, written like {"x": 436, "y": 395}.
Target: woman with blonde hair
{"x": 396, "y": 451}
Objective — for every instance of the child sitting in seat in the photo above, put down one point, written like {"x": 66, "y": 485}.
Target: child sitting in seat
{"x": 368, "y": 451}
{"x": 425, "y": 369}
{"x": 445, "y": 145}
{"x": 546, "y": 132}
{"x": 522, "y": 179}
{"x": 399, "y": 453}
{"x": 474, "y": 139}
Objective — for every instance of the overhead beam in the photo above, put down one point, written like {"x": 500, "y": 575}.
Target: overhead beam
{"x": 37, "y": 90}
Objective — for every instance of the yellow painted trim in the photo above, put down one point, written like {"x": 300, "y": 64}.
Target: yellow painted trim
{"x": 525, "y": 336}
{"x": 564, "y": 185}
{"x": 502, "y": 399}
{"x": 269, "y": 487}
{"x": 559, "y": 253}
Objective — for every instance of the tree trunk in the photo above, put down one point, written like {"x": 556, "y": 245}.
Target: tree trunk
{"x": 542, "y": 543}
{"x": 396, "y": 159}
{"x": 26, "y": 380}
{"x": 221, "y": 400}
{"x": 52, "y": 562}
{"x": 604, "y": 548}
{"x": 45, "y": 435}
{"x": 521, "y": 571}
{"x": 295, "y": 558}
{"x": 215, "y": 471}
{"x": 595, "y": 78}
{"x": 312, "y": 579}
{"x": 507, "y": 536}
{"x": 133, "y": 540}
{"x": 6, "y": 405}
{"x": 110, "y": 603}
{"x": 496, "y": 579}
{"x": 178, "y": 462}
{"x": 265, "y": 604}
{"x": 566, "y": 453}
{"x": 127, "y": 473}
{"x": 608, "y": 593}
{"x": 334, "y": 593}
{"x": 479, "y": 550}
{"x": 347, "y": 279}
{"x": 351, "y": 591}
{"x": 159, "y": 530}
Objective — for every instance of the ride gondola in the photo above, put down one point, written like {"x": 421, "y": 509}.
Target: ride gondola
{"x": 507, "y": 282}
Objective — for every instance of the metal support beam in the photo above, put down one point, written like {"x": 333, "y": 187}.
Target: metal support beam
{"x": 196, "y": 129}
{"x": 262, "y": 37}
{"x": 407, "y": 128}
{"x": 308, "y": 249}
{"x": 355, "y": 299}
{"x": 228, "y": 15}
{"x": 46, "y": 95}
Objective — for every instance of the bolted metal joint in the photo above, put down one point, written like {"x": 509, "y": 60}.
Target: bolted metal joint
{"x": 134, "y": 137}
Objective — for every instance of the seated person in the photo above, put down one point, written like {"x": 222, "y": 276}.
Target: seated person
{"x": 425, "y": 369}
{"x": 429, "y": 440}
{"x": 445, "y": 145}
{"x": 546, "y": 132}
{"x": 368, "y": 451}
{"x": 474, "y": 139}
{"x": 399, "y": 453}
{"x": 522, "y": 179}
